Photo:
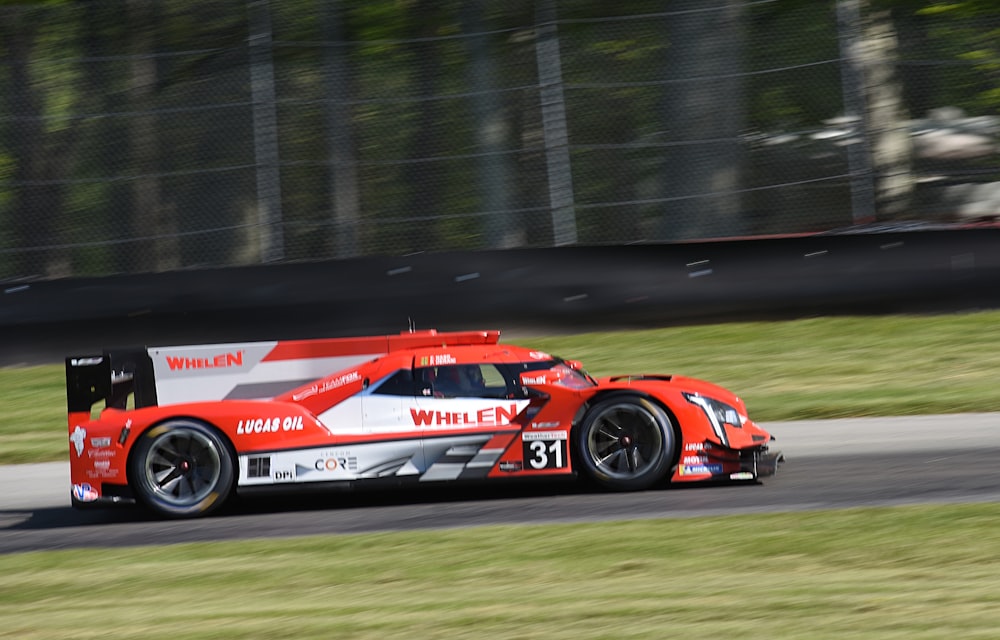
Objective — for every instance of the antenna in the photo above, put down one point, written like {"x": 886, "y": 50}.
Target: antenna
{"x": 413, "y": 327}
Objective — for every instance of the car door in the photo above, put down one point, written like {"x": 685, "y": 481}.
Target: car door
{"x": 389, "y": 445}
{"x": 463, "y": 410}
{"x": 383, "y": 404}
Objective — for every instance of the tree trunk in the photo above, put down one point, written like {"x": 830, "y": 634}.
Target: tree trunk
{"x": 151, "y": 220}
{"x": 703, "y": 117}
{"x": 423, "y": 178}
{"x": 492, "y": 133}
{"x": 265, "y": 133}
{"x": 554, "y": 127}
{"x": 891, "y": 148}
{"x": 344, "y": 191}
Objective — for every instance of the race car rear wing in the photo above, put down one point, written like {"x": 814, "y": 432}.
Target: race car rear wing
{"x": 248, "y": 370}
{"x": 113, "y": 377}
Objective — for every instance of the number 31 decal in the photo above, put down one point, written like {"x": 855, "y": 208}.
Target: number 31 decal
{"x": 544, "y": 449}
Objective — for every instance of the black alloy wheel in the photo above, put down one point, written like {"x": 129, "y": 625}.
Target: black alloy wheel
{"x": 625, "y": 443}
{"x": 182, "y": 468}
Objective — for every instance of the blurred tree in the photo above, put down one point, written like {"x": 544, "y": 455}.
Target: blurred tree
{"x": 345, "y": 196}
{"x": 126, "y": 131}
{"x": 703, "y": 115}
{"x": 40, "y": 99}
{"x": 270, "y": 220}
{"x": 492, "y": 129}
{"x": 152, "y": 221}
{"x": 102, "y": 216}
{"x": 950, "y": 53}
{"x": 886, "y": 117}
{"x": 423, "y": 174}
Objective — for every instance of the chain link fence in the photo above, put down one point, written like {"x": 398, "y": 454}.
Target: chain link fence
{"x": 143, "y": 136}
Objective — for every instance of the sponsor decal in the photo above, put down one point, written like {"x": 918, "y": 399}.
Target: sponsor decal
{"x": 533, "y": 379}
{"x": 329, "y": 385}
{"x": 432, "y": 361}
{"x": 77, "y": 438}
{"x": 84, "y": 492}
{"x": 489, "y": 416}
{"x": 539, "y": 355}
{"x": 544, "y": 425}
{"x": 269, "y": 425}
{"x": 347, "y": 463}
{"x": 742, "y": 475}
{"x": 100, "y": 443}
{"x": 698, "y": 446}
{"x": 695, "y": 460}
{"x": 543, "y": 435}
{"x": 510, "y": 467}
{"x": 544, "y": 449}
{"x": 102, "y": 464}
{"x": 700, "y": 469}
{"x": 221, "y": 361}
{"x": 85, "y": 362}
{"x": 102, "y": 453}
{"x": 283, "y": 475}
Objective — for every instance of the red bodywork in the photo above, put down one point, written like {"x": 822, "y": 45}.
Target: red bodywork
{"x": 381, "y": 416}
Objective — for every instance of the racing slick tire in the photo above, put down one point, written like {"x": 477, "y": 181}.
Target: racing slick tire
{"x": 625, "y": 443}
{"x": 182, "y": 469}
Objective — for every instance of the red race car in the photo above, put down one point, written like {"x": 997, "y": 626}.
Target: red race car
{"x": 208, "y": 421}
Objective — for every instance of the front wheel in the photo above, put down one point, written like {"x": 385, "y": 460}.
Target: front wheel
{"x": 625, "y": 443}
{"x": 181, "y": 469}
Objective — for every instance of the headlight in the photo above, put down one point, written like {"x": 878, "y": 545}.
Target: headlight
{"x": 719, "y": 414}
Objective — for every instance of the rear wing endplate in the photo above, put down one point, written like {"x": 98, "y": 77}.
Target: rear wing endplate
{"x": 111, "y": 377}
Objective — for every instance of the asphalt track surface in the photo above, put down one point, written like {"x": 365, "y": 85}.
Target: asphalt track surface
{"x": 830, "y": 464}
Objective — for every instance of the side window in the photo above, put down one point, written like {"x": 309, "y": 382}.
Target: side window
{"x": 462, "y": 381}
{"x": 398, "y": 384}
{"x": 494, "y": 382}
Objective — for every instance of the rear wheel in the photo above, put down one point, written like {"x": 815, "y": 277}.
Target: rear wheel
{"x": 181, "y": 469}
{"x": 625, "y": 443}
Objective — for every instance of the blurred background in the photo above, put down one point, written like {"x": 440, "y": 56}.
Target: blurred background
{"x": 143, "y": 136}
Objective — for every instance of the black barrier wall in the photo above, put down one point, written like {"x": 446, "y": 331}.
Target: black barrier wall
{"x": 538, "y": 290}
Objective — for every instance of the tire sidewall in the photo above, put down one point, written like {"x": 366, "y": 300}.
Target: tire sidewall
{"x": 650, "y": 476}
{"x": 147, "y": 495}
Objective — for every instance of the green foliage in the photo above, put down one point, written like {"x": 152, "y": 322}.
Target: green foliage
{"x": 414, "y": 114}
{"x": 807, "y": 91}
{"x": 964, "y": 9}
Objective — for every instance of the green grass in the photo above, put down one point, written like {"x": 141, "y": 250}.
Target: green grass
{"x": 822, "y": 367}
{"x": 913, "y": 572}
{"x": 815, "y": 368}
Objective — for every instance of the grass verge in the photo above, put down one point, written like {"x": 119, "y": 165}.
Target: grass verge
{"x": 909, "y": 572}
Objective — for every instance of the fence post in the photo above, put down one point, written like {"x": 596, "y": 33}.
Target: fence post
{"x": 859, "y": 161}
{"x": 554, "y": 125}
{"x": 265, "y": 131}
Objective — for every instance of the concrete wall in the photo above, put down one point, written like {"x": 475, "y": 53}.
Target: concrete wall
{"x": 541, "y": 291}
